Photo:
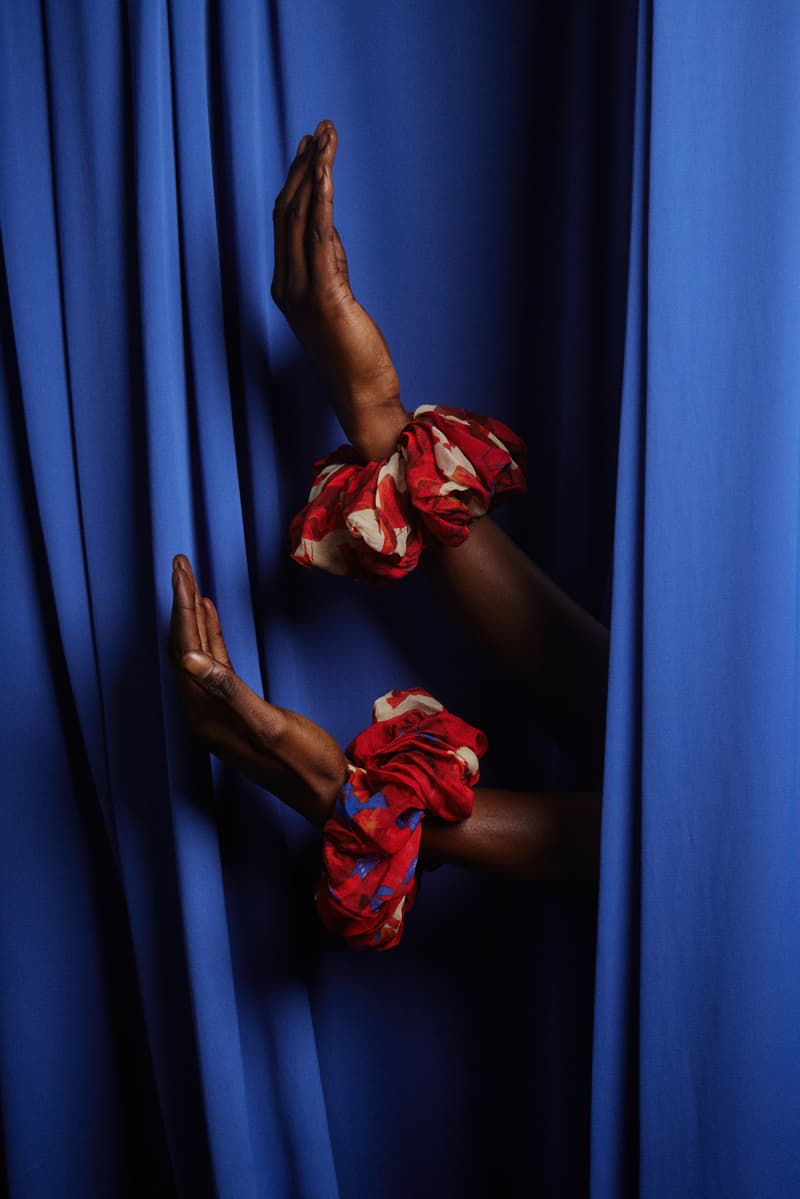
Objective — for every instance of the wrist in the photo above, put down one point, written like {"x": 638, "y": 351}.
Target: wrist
{"x": 373, "y": 420}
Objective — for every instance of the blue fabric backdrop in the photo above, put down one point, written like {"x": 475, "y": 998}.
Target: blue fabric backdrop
{"x": 696, "y": 1086}
{"x": 172, "y": 1019}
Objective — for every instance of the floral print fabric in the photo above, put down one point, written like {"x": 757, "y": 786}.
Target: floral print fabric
{"x": 415, "y": 758}
{"x": 372, "y": 520}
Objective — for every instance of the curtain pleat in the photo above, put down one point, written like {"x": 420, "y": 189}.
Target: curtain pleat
{"x": 35, "y": 279}
{"x": 695, "y": 1080}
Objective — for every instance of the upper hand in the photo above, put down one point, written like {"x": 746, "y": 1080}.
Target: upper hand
{"x": 311, "y": 286}
{"x": 279, "y": 749}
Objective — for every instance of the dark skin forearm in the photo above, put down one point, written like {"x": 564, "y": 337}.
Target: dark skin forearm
{"x": 539, "y": 836}
{"x": 540, "y": 637}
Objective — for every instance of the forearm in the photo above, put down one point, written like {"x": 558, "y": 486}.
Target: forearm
{"x": 540, "y": 637}
{"x": 544, "y": 836}
{"x": 540, "y": 836}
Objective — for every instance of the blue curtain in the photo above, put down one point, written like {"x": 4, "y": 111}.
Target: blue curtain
{"x": 545, "y": 207}
{"x": 696, "y": 1087}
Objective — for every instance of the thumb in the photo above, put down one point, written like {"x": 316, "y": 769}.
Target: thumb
{"x": 216, "y": 679}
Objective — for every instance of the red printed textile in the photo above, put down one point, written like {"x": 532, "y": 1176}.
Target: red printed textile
{"x": 415, "y": 757}
{"x": 373, "y": 520}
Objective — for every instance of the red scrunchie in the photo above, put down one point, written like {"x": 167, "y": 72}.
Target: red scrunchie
{"x": 415, "y": 757}
{"x": 374, "y": 519}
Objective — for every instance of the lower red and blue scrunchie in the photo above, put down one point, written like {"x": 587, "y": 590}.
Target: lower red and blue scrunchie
{"x": 415, "y": 758}
{"x": 372, "y": 520}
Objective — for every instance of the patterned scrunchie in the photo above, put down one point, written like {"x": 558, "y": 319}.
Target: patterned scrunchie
{"x": 415, "y": 757}
{"x": 374, "y": 519}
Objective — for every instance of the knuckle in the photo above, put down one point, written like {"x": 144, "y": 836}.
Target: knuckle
{"x": 221, "y": 683}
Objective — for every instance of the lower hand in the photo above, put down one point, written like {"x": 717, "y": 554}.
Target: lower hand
{"x": 311, "y": 286}
{"x": 280, "y": 750}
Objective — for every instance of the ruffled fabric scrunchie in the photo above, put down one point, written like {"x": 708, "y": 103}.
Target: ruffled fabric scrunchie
{"x": 416, "y": 757}
{"x": 372, "y": 520}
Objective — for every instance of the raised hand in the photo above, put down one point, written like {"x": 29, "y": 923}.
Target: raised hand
{"x": 280, "y": 750}
{"x": 311, "y": 286}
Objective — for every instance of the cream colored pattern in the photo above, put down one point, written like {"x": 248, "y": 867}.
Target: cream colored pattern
{"x": 383, "y": 710}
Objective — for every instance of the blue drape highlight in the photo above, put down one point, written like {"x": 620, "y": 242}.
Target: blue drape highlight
{"x": 173, "y": 1020}
{"x": 696, "y": 1089}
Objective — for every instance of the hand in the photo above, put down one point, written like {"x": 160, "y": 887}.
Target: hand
{"x": 311, "y": 286}
{"x": 280, "y": 750}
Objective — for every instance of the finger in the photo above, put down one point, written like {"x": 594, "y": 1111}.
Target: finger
{"x": 183, "y": 563}
{"x": 200, "y": 613}
{"x": 262, "y": 721}
{"x": 296, "y": 170}
{"x": 321, "y": 242}
{"x": 216, "y": 642}
{"x": 184, "y": 636}
{"x": 284, "y": 198}
{"x": 296, "y": 222}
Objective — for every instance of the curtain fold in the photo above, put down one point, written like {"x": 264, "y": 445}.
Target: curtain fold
{"x": 695, "y": 1081}
{"x": 41, "y": 363}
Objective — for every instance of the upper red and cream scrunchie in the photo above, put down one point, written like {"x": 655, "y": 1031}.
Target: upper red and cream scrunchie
{"x": 374, "y": 519}
{"x": 415, "y": 758}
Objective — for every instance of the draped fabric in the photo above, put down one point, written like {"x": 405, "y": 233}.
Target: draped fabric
{"x": 173, "y": 1019}
{"x": 696, "y": 1087}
